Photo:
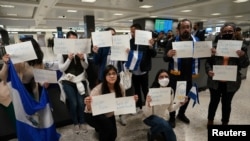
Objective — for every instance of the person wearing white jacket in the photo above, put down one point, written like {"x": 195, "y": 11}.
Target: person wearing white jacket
{"x": 161, "y": 81}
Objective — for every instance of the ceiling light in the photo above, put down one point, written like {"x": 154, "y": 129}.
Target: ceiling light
{"x": 88, "y": 1}
{"x": 215, "y": 14}
{"x": 9, "y": 14}
{"x": 146, "y": 6}
{"x": 118, "y": 14}
{"x": 8, "y": 6}
{"x": 72, "y": 11}
{"x": 153, "y": 16}
{"x": 239, "y": 16}
{"x": 61, "y": 17}
{"x": 186, "y": 11}
{"x": 100, "y": 19}
{"x": 240, "y": 1}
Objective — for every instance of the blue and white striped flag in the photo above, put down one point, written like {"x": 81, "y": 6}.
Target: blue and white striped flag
{"x": 30, "y": 128}
{"x": 134, "y": 60}
{"x": 194, "y": 94}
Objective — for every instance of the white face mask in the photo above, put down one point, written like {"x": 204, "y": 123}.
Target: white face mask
{"x": 163, "y": 82}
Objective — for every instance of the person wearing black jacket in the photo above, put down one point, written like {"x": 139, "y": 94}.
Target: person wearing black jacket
{"x": 184, "y": 69}
{"x": 199, "y": 33}
{"x": 221, "y": 90}
{"x": 140, "y": 76}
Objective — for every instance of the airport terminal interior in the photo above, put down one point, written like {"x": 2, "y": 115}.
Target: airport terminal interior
{"x": 45, "y": 20}
{"x": 136, "y": 130}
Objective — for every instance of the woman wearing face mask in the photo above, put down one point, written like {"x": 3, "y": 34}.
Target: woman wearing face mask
{"x": 221, "y": 90}
{"x": 161, "y": 81}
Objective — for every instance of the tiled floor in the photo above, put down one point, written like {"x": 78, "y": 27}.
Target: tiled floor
{"x": 136, "y": 130}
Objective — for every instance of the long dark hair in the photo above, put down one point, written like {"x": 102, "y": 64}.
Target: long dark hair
{"x": 117, "y": 87}
{"x": 38, "y": 51}
{"x": 155, "y": 83}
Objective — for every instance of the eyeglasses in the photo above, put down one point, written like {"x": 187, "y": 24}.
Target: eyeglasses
{"x": 228, "y": 32}
{"x": 111, "y": 74}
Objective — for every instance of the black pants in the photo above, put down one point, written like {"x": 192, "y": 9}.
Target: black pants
{"x": 226, "y": 99}
{"x": 140, "y": 83}
{"x": 106, "y": 127}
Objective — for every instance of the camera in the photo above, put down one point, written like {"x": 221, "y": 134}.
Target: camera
{"x": 140, "y": 0}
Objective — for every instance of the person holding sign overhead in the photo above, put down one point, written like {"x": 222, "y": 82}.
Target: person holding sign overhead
{"x": 105, "y": 124}
{"x": 181, "y": 69}
{"x": 24, "y": 71}
{"x": 102, "y": 57}
{"x": 224, "y": 90}
{"x": 140, "y": 63}
{"x": 74, "y": 84}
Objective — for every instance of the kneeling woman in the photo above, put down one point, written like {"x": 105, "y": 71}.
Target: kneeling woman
{"x": 105, "y": 124}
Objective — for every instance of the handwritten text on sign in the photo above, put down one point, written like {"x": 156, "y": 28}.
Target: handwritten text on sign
{"x": 160, "y": 96}
{"x": 118, "y": 50}
{"x": 228, "y": 48}
{"x": 226, "y": 73}
{"x": 125, "y": 105}
{"x": 103, "y": 104}
{"x": 21, "y": 52}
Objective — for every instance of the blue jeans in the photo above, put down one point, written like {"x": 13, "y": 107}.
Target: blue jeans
{"x": 76, "y": 104}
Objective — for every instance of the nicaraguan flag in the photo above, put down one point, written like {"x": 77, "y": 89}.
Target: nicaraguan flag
{"x": 34, "y": 121}
{"x": 134, "y": 60}
{"x": 194, "y": 94}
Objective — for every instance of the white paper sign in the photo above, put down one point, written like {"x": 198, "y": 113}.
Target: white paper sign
{"x": 160, "y": 96}
{"x": 180, "y": 92}
{"x": 125, "y": 105}
{"x": 102, "y": 39}
{"x": 202, "y": 49}
{"x": 225, "y": 72}
{"x": 62, "y": 46}
{"x": 183, "y": 49}
{"x": 120, "y": 45}
{"x": 21, "y": 52}
{"x": 65, "y": 46}
{"x": 42, "y": 76}
{"x": 228, "y": 48}
{"x": 103, "y": 104}
{"x": 82, "y": 46}
{"x": 142, "y": 37}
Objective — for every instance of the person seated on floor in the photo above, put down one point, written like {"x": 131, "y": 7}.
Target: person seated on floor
{"x": 161, "y": 81}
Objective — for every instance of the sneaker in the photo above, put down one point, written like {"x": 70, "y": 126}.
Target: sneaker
{"x": 171, "y": 121}
{"x": 183, "y": 118}
{"x": 76, "y": 129}
{"x": 122, "y": 120}
{"x": 83, "y": 128}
